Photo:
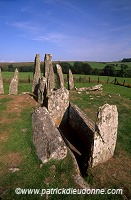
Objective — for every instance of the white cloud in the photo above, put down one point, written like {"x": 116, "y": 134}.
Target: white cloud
{"x": 26, "y": 25}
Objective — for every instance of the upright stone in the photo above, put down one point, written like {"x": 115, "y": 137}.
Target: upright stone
{"x": 41, "y": 90}
{"x": 13, "y": 88}
{"x": 49, "y": 73}
{"x": 60, "y": 76}
{"x": 36, "y": 75}
{"x": 70, "y": 81}
{"x": 58, "y": 103}
{"x": 46, "y": 137}
{"x": 47, "y": 64}
{"x": 1, "y": 83}
{"x": 105, "y": 135}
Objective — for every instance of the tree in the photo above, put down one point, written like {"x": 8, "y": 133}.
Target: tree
{"x": 109, "y": 70}
{"x": 10, "y": 68}
{"x": 65, "y": 67}
{"x": 86, "y": 68}
{"x": 123, "y": 71}
{"x": 82, "y": 68}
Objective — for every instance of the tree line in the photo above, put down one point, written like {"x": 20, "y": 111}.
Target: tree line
{"x": 78, "y": 68}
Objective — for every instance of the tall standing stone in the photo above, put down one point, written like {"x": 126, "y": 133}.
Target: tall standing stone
{"x": 70, "y": 81}
{"x": 49, "y": 73}
{"x": 37, "y": 74}
{"x": 105, "y": 135}
{"x": 1, "y": 83}
{"x": 13, "y": 88}
{"x": 60, "y": 76}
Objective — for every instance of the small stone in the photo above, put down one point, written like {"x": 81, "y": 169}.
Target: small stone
{"x": 15, "y": 169}
{"x": 70, "y": 81}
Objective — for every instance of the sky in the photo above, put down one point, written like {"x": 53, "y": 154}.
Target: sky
{"x": 77, "y": 30}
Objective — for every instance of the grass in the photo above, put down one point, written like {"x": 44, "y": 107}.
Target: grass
{"x": 113, "y": 94}
{"x": 101, "y": 65}
{"x": 17, "y": 149}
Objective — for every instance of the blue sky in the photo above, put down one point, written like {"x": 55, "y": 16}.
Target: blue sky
{"x": 91, "y": 30}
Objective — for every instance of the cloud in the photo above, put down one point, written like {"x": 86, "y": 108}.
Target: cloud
{"x": 51, "y": 37}
{"x": 24, "y": 25}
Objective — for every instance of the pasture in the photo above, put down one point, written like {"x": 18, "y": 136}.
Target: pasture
{"x": 17, "y": 150}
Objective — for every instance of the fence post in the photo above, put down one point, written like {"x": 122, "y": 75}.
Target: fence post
{"x": 98, "y": 80}
{"x": 108, "y": 80}
{"x": 89, "y": 79}
{"x": 124, "y": 83}
{"x": 29, "y": 79}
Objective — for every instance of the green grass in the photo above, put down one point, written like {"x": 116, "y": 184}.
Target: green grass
{"x": 3, "y": 104}
{"x": 30, "y": 174}
{"x": 23, "y": 87}
{"x": 22, "y": 75}
{"x": 101, "y": 65}
{"x": 112, "y": 94}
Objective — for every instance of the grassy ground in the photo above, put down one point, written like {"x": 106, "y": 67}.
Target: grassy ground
{"x": 17, "y": 150}
{"x": 101, "y": 65}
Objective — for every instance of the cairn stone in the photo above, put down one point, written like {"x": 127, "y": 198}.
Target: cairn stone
{"x": 1, "y": 83}
{"x": 105, "y": 134}
{"x": 36, "y": 75}
{"x": 13, "y": 88}
{"x": 41, "y": 90}
{"x": 46, "y": 137}
{"x": 58, "y": 104}
{"x": 70, "y": 81}
{"x": 92, "y": 88}
{"x": 49, "y": 73}
{"x": 60, "y": 76}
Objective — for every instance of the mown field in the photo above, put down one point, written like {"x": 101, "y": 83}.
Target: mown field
{"x": 101, "y": 65}
{"x": 98, "y": 65}
{"x": 17, "y": 150}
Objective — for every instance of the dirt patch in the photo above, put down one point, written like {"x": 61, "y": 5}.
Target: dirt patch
{"x": 11, "y": 159}
{"x": 3, "y": 137}
{"x": 19, "y": 102}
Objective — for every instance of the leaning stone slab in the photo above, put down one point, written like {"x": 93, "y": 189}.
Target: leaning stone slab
{"x": 1, "y": 83}
{"x": 105, "y": 134}
{"x": 60, "y": 76}
{"x": 13, "y": 88}
{"x": 46, "y": 137}
{"x": 58, "y": 103}
{"x": 36, "y": 75}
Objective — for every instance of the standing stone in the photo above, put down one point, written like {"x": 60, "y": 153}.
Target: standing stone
{"x": 41, "y": 90}
{"x": 60, "y": 76}
{"x": 13, "y": 88}
{"x": 58, "y": 103}
{"x": 46, "y": 137}
{"x": 70, "y": 81}
{"x": 105, "y": 135}
{"x": 49, "y": 73}
{"x": 1, "y": 83}
{"x": 47, "y": 64}
{"x": 37, "y": 75}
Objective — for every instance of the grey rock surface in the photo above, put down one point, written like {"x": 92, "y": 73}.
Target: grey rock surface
{"x": 46, "y": 137}
{"x": 13, "y": 88}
